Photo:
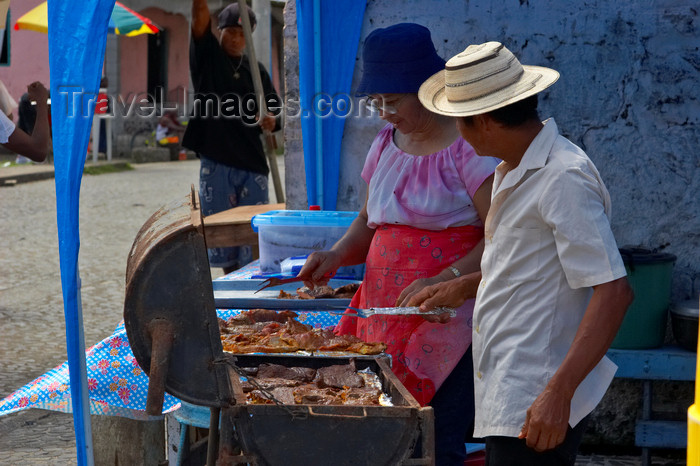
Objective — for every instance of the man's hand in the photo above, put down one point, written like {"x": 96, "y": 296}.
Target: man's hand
{"x": 268, "y": 123}
{"x": 414, "y": 288}
{"x": 548, "y": 416}
{"x": 547, "y": 420}
{"x": 452, "y": 293}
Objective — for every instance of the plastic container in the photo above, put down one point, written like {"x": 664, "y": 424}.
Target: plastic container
{"x": 291, "y": 266}
{"x": 290, "y": 233}
{"x": 684, "y": 323}
{"x": 649, "y": 275}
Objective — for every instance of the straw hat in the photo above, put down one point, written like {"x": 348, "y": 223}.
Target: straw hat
{"x": 481, "y": 79}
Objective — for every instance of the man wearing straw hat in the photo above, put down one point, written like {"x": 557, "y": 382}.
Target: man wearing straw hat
{"x": 552, "y": 291}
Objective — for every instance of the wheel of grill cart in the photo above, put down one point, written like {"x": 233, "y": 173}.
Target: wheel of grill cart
{"x": 190, "y": 415}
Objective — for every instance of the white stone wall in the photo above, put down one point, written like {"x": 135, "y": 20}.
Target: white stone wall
{"x": 628, "y": 95}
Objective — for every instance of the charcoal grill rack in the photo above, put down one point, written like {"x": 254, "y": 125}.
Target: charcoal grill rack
{"x": 172, "y": 327}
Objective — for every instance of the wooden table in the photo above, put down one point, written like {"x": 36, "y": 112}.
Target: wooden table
{"x": 232, "y": 227}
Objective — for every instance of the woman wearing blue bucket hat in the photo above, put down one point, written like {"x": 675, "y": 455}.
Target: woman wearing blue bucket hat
{"x": 422, "y": 223}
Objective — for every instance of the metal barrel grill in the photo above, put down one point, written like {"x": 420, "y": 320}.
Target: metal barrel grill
{"x": 172, "y": 327}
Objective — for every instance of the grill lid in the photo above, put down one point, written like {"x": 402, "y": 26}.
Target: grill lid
{"x": 169, "y": 311}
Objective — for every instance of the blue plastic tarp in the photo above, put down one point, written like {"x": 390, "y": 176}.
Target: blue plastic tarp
{"x": 77, "y": 39}
{"x": 328, "y": 34}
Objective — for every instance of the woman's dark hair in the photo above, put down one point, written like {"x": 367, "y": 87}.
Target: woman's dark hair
{"x": 514, "y": 114}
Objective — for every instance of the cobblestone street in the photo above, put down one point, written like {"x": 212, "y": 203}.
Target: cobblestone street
{"x": 112, "y": 209}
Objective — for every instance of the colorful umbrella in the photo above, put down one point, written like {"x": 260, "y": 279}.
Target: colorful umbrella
{"x": 124, "y": 21}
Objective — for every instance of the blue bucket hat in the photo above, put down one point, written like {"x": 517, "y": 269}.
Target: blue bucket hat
{"x": 397, "y": 59}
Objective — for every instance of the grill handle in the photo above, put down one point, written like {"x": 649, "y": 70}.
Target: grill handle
{"x": 162, "y": 336}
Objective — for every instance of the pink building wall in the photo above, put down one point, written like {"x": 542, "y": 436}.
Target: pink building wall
{"x": 134, "y": 55}
{"x": 29, "y": 54}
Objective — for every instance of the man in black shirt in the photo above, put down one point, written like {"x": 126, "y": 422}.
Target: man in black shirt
{"x": 224, "y": 128}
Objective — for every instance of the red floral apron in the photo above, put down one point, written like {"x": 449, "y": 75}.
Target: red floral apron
{"x": 423, "y": 353}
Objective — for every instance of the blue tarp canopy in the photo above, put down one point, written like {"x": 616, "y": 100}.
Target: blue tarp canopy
{"x": 77, "y": 39}
{"x": 329, "y": 33}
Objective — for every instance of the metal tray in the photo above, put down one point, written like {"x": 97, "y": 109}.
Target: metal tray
{"x": 316, "y": 354}
{"x": 318, "y": 435}
{"x": 240, "y": 294}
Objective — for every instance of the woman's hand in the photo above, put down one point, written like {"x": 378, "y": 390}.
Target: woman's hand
{"x": 319, "y": 267}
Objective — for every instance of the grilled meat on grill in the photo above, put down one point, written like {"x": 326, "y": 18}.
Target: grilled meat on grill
{"x": 239, "y": 336}
{"x": 301, "y": 374}
{"x": 322, "y": 292}
{"x": 338, "y": 376}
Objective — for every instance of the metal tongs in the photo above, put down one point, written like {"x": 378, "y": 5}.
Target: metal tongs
{"x": 397, "y": 311}
{"x": 276, "y": 281}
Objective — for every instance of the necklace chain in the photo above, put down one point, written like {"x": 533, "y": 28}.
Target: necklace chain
{"x": 236, "y": 74}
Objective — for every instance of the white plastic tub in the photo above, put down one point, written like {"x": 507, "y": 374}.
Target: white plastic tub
{"x": 289, "y": 233}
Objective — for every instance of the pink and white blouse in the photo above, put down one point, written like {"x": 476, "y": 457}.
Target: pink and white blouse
{"x": 431, "y": 192}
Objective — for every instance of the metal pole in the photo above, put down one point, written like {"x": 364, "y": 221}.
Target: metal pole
{"x": 260, "y": 94}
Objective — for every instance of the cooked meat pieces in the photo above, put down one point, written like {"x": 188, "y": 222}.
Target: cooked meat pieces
{"x": 346, "y": 291}
{"x": 262, "y": 315}
{"x": 319, "y": 292}
{"x": 301, "y": 374}
{"x": 313, "y": 339}
{"x": 361, "y": 396}
{"x": 256, "y": 383}
{"x": 361, "y": 347}
{"x": 307, "y": 395}
{"x": 258, "y": 343}
{"x": 293, "y": 327}
{"x": 245, "y": 333}
{"x": 284, "y": 295}
{"x": 333, "y": 385}
{"x": 339, "y": 376}
{"x": 351, "y": 343}
{"x": 314, "y": 396}
{"x": 284, "y": 395}
{"x": 322, "y": 292}
{"x": 262, "y": 328}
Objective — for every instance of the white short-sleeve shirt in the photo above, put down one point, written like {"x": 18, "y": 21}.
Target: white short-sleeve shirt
{"x": 547, "y": 242}
{"x": 7, "y": 127}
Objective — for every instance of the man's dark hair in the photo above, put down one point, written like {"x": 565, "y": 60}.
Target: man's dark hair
{"x": 514, "y": 114}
